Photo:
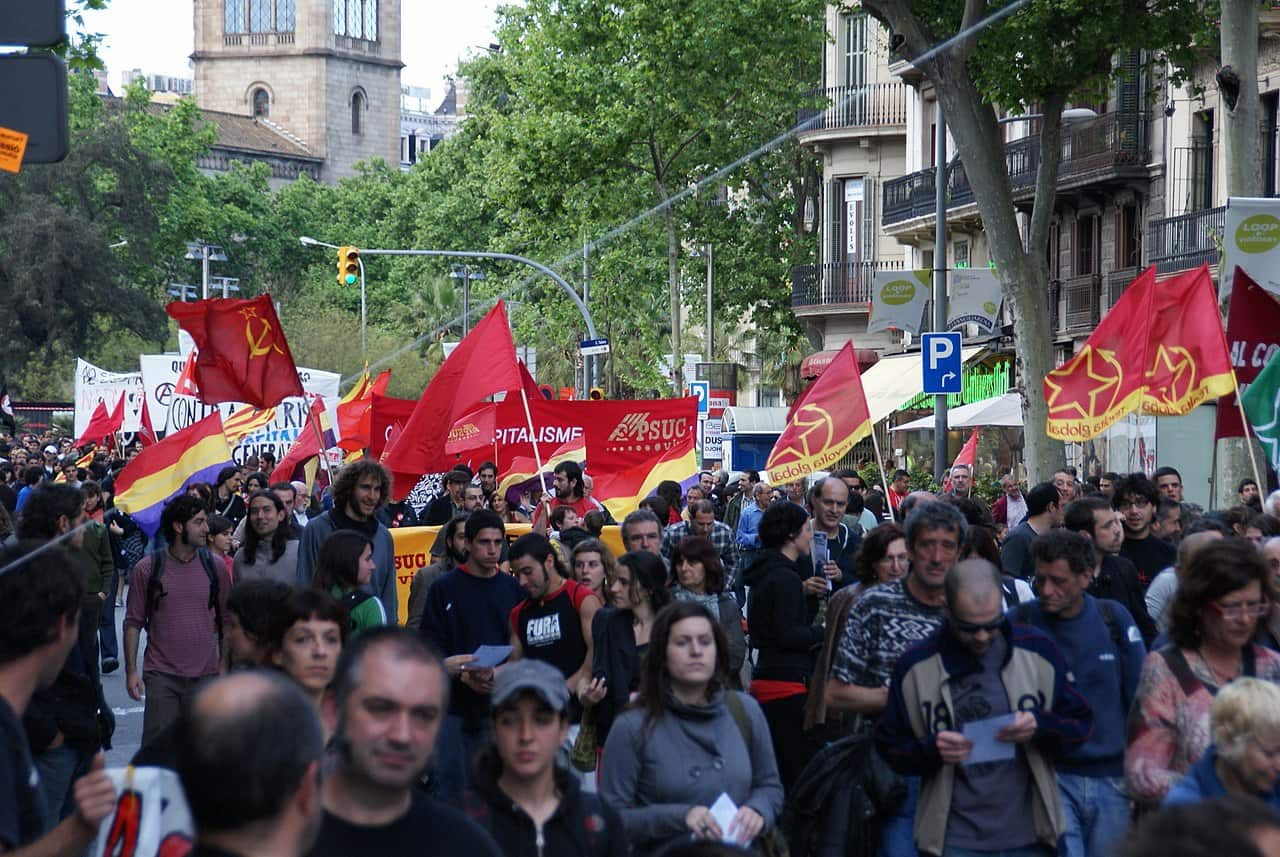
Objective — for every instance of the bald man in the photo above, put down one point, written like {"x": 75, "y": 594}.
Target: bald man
{"x": 980, "y": 667}
{"x": 249, "y": 749}
{"x": 1160, "y": 593}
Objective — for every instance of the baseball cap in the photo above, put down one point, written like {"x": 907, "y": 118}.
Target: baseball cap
{"x": 537, "y": 677}
{"x": 51, "y": 450}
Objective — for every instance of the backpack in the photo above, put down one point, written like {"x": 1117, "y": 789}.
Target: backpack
{"x": 771, "y": 841}
{"x": 1011, "y": 596}
{"x": 155, "y": 590}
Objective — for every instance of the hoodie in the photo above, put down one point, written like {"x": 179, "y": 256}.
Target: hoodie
{"x": 778, "y": 620}
{"x": 581, "y": 826}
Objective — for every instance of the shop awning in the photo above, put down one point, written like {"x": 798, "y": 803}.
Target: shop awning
{"x": 740, "y": 420}
{"x": 896, "y": 380}
{"x": 817, "y": 362}
{"x": 1003, "y": 410}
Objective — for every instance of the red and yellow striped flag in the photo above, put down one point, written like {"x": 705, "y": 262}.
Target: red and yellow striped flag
{"x": 824, "y": 424}
{"x": 246, "y": 421}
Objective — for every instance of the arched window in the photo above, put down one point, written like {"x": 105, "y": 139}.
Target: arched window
{"x": 357, "y": 113}
{"x": 261, "y": 104}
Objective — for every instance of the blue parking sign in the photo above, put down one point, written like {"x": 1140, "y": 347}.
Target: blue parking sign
{"x": 941, "y": 362}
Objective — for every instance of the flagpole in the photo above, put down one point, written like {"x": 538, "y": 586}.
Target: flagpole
{"x": 324, "y": 452}
{"x": 875, "y": 444}
{"x": 1248, "y": 439}
{"x": 537, "y": 453}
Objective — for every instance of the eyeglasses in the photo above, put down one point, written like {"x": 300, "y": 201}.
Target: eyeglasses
{"x": 973, "y": 627}
{"x": 1248, "y": 610}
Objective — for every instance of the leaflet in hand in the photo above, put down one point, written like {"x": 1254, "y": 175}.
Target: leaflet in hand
{"x": 986, "y": 747}
{"x": 488, "y": 657}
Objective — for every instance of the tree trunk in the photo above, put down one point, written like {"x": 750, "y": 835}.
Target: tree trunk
{"x": 673, "y": 281}
{"x": 1022, "y": 270}
{"x": 1241, "y": 141}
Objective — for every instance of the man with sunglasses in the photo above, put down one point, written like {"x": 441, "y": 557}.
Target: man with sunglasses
{"x": 1103, "y": 648}
{"x": 948, "y": 691}
{"x": 1136, "y": 499}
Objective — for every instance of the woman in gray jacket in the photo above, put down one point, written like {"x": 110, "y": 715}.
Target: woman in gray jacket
{"x": 688, "y": 740}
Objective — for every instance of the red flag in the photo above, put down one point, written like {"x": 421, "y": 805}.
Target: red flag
{"x": 387, "y": 417}
{"x": 186, "y": 383}
{"x": 968, "y": 456}
{"x": 307, "y": 444}
{"x": 1253, "y": 336}
{"x": 147, "y": 433}
{"x": 102, "y": 424}
{"x": 355, "y": 416}
{"x": 833, "y": 417}
{"x": 242, "y": 353}
{"x": 473, "y": 430}
{"x": 483, "y": 364}
{"x": 531, "y": 388}
{"x": 1160, "y": 347}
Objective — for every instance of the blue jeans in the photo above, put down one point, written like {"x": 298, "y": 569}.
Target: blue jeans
{"x": 455, "y": 753}
{"x": 1097, "y": 811}
{"x": 59, "y": 767}
{"x": 107, "y": 621}
{"x": 1026, "y": 851}
{"x": 898, "y": 839}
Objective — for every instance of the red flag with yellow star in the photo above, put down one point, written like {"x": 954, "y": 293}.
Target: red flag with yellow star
{"x": 822, "y": 428}
{"x": 242, "y": 352}
{"x": 1161, "y": 346}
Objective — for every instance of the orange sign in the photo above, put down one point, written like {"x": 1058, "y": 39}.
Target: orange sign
{"x": 13, "y": 145}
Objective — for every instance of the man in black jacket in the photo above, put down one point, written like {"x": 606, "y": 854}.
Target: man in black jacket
{"x": 528, "y": 804}
{"x": 1114, "y": 577}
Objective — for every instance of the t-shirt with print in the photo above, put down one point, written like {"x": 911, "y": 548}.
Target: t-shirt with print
{"x": 989, "y": 800}
{"x": 21, "y": 807}
{"x": 882, "y": 624}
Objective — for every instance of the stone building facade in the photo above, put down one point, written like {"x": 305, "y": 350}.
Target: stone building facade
{"x": 325, "y": 71}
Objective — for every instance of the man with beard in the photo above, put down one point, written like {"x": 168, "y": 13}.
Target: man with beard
{"x": 358, "y": 490}
{"x": 179, "y": 595}
{"x": 569, "y": 491}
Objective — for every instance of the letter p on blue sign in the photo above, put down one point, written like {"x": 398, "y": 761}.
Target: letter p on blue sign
{"x": 941, "y": 364}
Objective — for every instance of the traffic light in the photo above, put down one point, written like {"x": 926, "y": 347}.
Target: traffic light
{"x": 596, "y": 394}
{"x": 348, "y": 266}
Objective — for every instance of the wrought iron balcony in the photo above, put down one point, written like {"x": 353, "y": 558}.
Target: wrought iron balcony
{"x": 1080, "y": 298}
{"x": 872, "y": 105}
{"x": 836, "y": 282}
{"x": 1116, "y": 283}
{"x": 1186, "y": 241}
{"x": 1099, "y": 150}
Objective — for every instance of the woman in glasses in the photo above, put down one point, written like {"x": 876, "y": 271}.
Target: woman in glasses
{"x": 1226, "y": 590}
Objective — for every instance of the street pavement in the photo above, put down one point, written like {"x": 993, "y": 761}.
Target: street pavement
{"x": 128, "y": 736}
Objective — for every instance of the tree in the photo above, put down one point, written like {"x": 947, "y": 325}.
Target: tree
{"x": 1044, "y": 54}
{"x": 601, "y": 110}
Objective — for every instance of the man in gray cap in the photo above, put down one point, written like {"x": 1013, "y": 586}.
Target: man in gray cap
{"x": 529, "y": 804}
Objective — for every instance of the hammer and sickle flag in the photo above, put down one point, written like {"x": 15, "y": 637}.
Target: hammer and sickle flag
{"x": 830, "y": 418}
{"x": 242, "y": 352}
{"x": 1160, "y": 347}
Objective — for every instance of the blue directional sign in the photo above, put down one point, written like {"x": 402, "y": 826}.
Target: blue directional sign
{"x": 941, "y": 363}
{"x": 701, "y": 389}
{"x": 588, "y": 347}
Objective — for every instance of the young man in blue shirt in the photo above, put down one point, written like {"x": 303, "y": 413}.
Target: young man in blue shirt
{"x": 1104, "y": 651}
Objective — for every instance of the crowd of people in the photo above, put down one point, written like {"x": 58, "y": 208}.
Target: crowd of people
{"x": 819, "y": 667}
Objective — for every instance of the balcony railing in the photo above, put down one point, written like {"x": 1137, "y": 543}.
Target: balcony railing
{"x": 1080, "y": 296}
{"x": 872, "y": 105}
{"x": 1110, "y": 141}
{"x": 836, "y": 282}
{"x": 1186, "y": 241}
{"x": 1116, "y": 283}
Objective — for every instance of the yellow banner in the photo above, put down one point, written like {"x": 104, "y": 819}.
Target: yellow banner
{"x": 413, "y": 553}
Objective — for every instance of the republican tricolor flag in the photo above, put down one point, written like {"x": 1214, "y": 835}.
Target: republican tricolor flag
{"x": 162, "y": 471}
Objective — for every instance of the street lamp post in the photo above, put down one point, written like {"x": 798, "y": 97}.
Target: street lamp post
{"x": 205, "y": 253}
{"x": 466, "y": 273}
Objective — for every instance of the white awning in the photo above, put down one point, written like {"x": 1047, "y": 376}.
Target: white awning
{"x": 740, "y": 420}
{"x": 896, "y": 380}
{"x": 1003, "y": 410}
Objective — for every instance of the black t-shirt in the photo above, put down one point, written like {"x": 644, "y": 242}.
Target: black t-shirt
{"x": 428, "y": 827}
{"x": 551, "y": 630}
{"x": 21, "y": 807}
{"x": 1150, "y": 556}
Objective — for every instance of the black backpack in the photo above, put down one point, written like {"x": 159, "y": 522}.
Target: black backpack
{"x": 155, "y": 589}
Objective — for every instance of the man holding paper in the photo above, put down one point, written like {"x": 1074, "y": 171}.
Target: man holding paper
{"x": 980, "y": 710}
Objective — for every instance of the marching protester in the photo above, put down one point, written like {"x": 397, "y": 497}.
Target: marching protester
{"x": 252, "y": 605}
{"x": 593, "y": 565}
{"x": 270, "y": 549}
{"x": 178, "y": 595}
{"x": 696, "y": 575}
{"x": 448, "y": 551}
{"x": 305, "y": 637}
{"x": 1212, "y": 622}
{"x": 343, "y": 571}
{"x": 359, "y": 489}
{"x": 388, "y": 703}
{"x": 687, "y": 723}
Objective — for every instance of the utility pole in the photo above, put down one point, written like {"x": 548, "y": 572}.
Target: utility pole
{"x": 940, "y": 171}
